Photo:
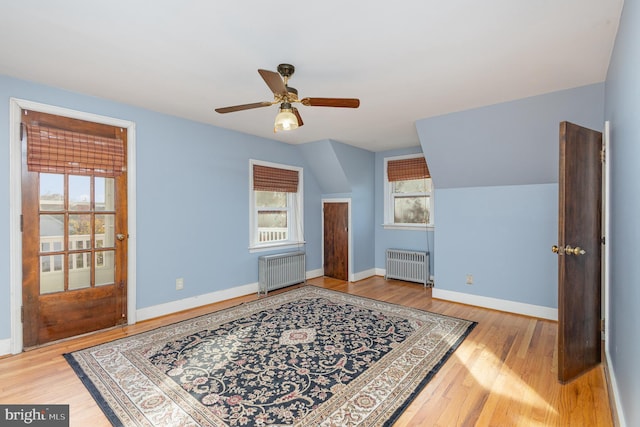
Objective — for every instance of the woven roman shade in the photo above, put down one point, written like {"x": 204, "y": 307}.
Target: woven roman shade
{"x": 405, "y": 169}
{"x": 267, "y": 178}
{"x": 51, "y": 150}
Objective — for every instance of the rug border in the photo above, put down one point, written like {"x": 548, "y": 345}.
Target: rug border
{"x": 117, "y": 422}
{"x": 93, "y": 390}
{"x": 403, "y": 407}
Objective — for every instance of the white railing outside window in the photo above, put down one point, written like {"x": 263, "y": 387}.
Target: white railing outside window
{"x": 272, "y": 234}
{"x": 78, "y": 242}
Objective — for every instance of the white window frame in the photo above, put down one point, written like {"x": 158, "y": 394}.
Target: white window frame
{"x": 295, "y": 213}
{"x": 389, "y": 198}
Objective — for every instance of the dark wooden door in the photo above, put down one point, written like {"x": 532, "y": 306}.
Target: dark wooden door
{"x": 579, "y": 250}
{"x": 74, "y": 234}
{"x": 336, "y": 240}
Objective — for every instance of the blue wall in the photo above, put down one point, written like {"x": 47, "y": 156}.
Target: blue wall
{"x": 193, "y": 223}
{"x": 495, "y": 172}
{"x": 323, "y": 162}
{"x": 344, "y": 171}
{"x": 358, "y": 166}
{"x": 501, "y": 235}
{"x": 623, "y": 112}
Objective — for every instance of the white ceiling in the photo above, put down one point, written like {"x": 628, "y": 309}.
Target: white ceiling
{"x": 406, "y": 60}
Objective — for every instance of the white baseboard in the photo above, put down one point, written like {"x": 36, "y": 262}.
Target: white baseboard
{"x": 614, "y": 392}
{"x": 497, "y": 304}
{"x": 193, "y": 302}
{"x": 200, "y": 300}
{"x": 363, "y": 275}
{"x": 315, "y": 273}
{"x": 352, "y": 278}
{"x": 381, "y": 272}
{"x": 5, "y": 347}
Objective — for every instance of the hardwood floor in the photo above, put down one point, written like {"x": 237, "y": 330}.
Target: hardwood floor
{"x": 503, "y": 374}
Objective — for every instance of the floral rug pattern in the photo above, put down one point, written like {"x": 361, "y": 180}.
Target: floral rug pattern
{"x": 307, "y": 357}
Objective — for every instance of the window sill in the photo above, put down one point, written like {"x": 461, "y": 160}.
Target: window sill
{"x": 415, "y": 227}
{"x": 275, "y": 246}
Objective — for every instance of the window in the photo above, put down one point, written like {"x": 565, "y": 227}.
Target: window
{"x": 408, "y": 201}
{"x": 276, "y": 205}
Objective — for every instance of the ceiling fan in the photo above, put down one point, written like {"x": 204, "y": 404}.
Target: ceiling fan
{"x": 288, "y": 117}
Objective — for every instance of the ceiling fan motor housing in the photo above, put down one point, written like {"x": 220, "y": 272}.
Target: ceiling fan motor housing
{"x": 286, "y": 70}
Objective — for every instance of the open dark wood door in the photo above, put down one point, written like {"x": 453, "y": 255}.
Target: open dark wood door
{"x": 336, "y": 240}
{"x": 579, "y": 250}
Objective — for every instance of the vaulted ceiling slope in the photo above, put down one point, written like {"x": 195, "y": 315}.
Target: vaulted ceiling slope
{"x": 405, "y": 61}
{"x": 513, "y": 143}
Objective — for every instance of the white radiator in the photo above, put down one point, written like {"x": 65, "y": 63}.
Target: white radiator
{"x": 412, "y": 266}
{"x": 278, "y": 271}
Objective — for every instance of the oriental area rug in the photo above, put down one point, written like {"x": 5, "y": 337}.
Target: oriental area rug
{"x": 306, "y": 357}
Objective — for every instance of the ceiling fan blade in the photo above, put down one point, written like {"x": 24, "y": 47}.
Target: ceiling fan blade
{"x": 295, "y": 111}
{"x": 243, "y": 107}
{"x": 274, "y": 81}
{"x": 331, "y": 102}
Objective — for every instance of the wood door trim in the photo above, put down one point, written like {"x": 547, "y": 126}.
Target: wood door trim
{"x": 350, "y": 274}
{"x": 15, "y": 235}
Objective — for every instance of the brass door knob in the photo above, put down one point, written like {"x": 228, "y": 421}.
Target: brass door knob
{"x": 574, "y": 251}
{"x": 555, "y": 249}
{"x": 121, "y": 236}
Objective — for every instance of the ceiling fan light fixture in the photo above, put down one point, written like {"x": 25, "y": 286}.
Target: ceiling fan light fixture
{"x": 285, "y": 120}
{"x": 288, "y": 117}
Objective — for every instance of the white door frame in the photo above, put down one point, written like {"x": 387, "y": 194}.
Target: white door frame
{"x": 606, "y": 202}
{"x": 350, "y": 274}
{"x": 15, "y": 177}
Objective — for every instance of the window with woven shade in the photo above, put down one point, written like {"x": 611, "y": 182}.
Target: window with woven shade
{"x": 276, "y": 205}
{"x": 408, "y": 192}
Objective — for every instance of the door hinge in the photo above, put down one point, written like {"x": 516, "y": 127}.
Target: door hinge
{"x": 603, "y": 156}
{"x": 21, "y": 223}
{"x": 603, "y": 240}
{"x": 22, "y": 314}
{"x": 601, "y": 325}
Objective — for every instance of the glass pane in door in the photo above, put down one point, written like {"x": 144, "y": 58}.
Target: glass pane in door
{"x": 79, "y": 231}
{"x": 105, "y": 230}
{"x": 51, "y": 233}
{"x": 79, "y": 193}
{"x": 105, "y": 268}
{"x": 104, "y": 194}
{"x": 51, "y": 274}
{"x": 51, "y": 192}
{"x": 79, "y": 270}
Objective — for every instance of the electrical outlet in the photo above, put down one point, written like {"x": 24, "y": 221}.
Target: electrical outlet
{"x": 179, "y": 284}
{"x": 469, "y": 279}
